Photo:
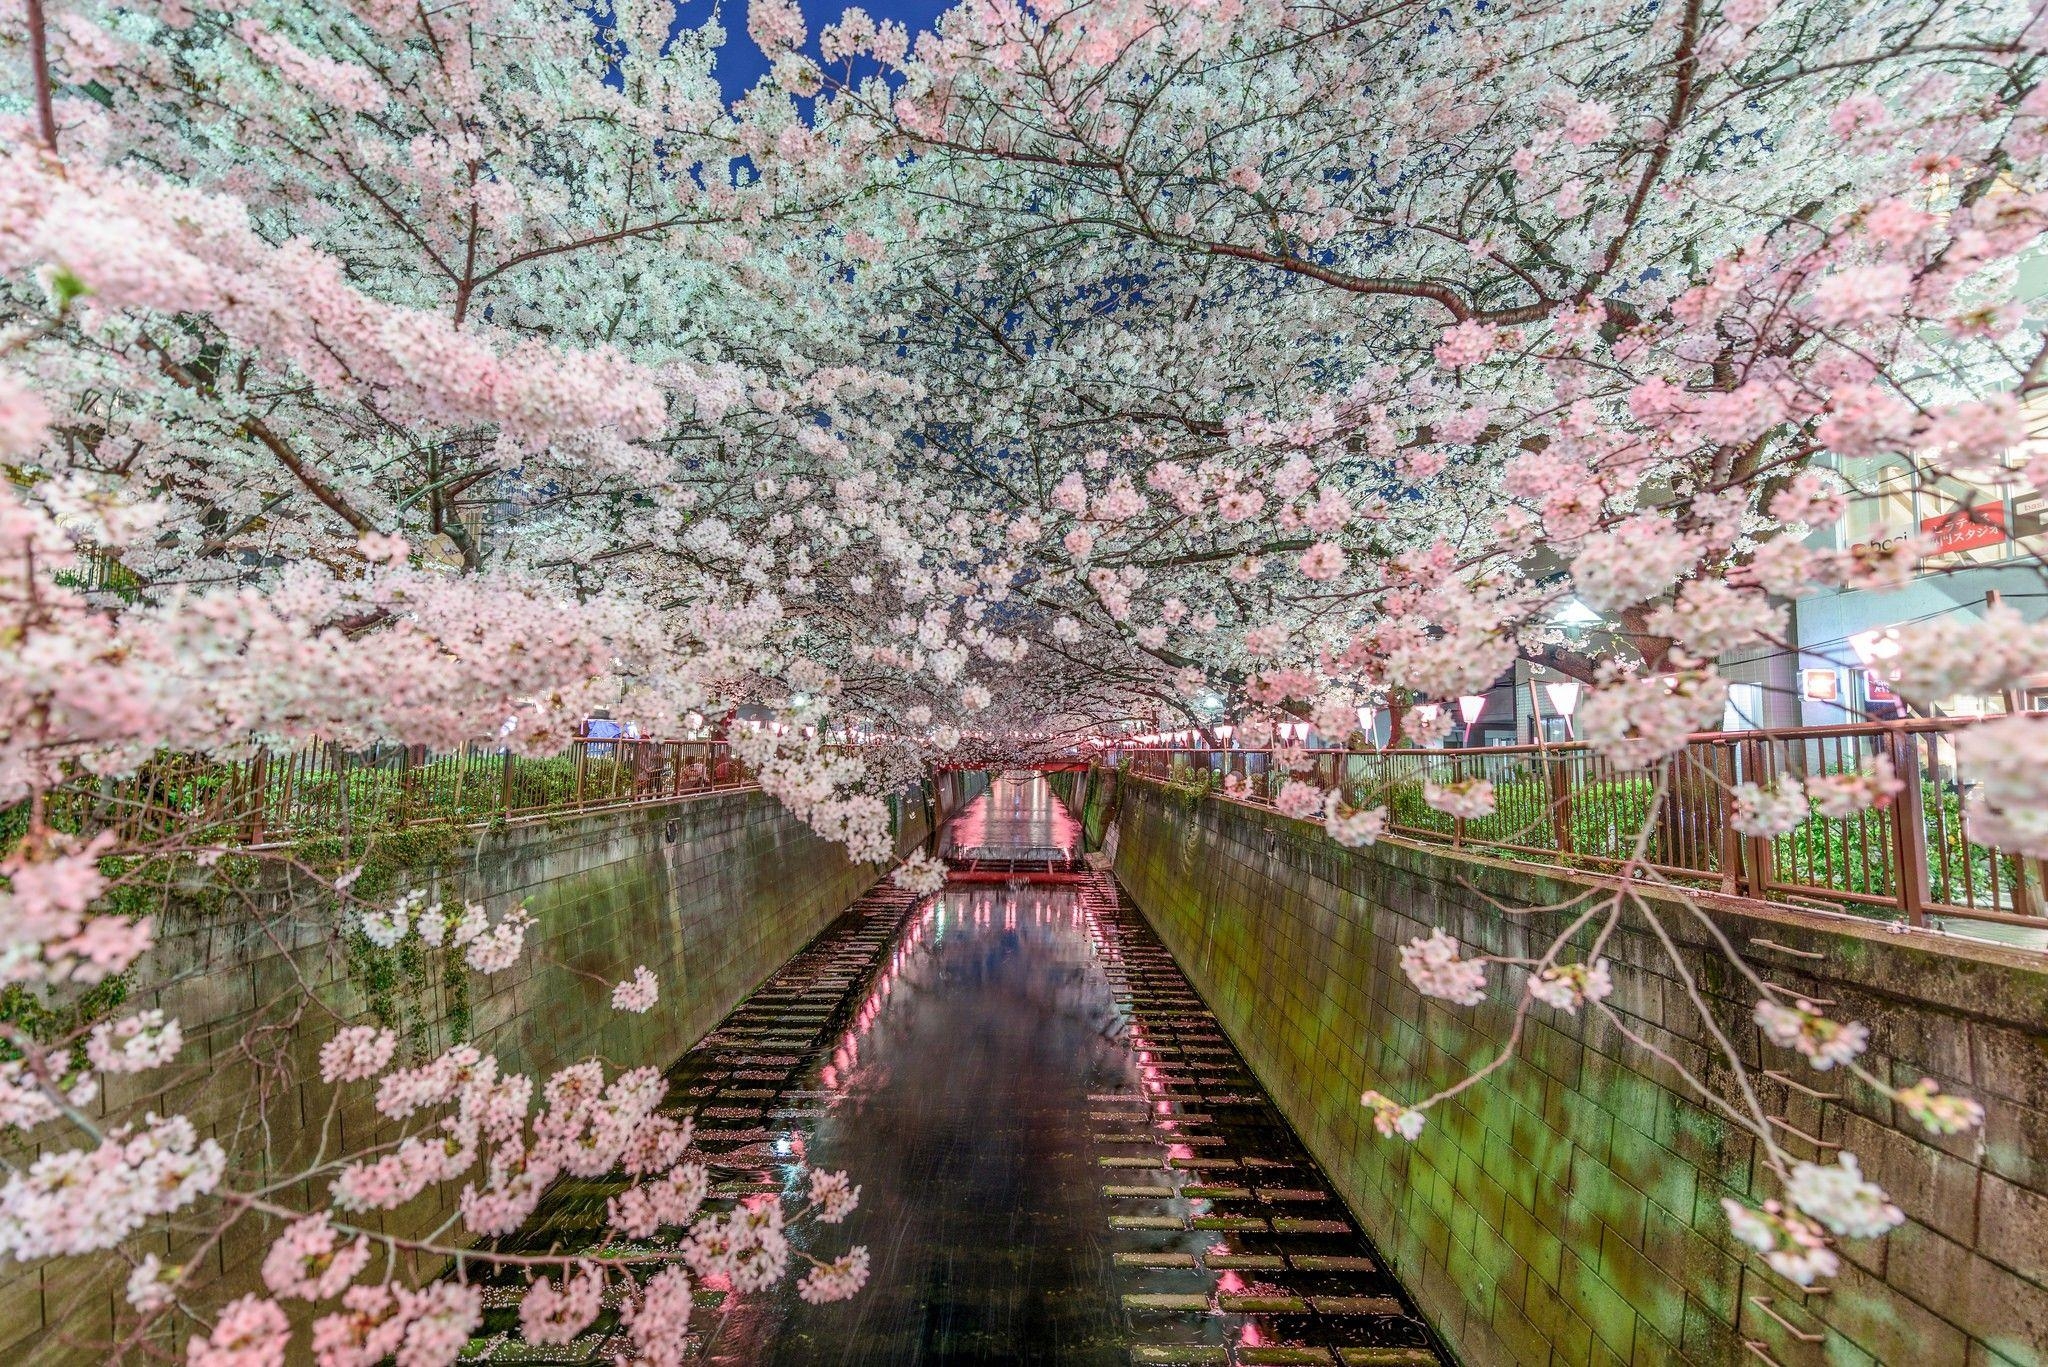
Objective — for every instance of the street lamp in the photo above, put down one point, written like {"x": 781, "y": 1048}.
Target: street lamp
{"x": 1470, "y": 706}
{"x": 1224, "y": 731}
{"x": 1564, "y": 696}
{"x": 1366, "y": 716}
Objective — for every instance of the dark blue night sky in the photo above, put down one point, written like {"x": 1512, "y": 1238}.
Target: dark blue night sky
{"x": 740, "y": 63}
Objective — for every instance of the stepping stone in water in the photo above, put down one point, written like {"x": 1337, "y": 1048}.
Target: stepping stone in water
{"x": 1151, "y": 1260}
{"x": 1140, "y": 1301}
{"x": 1308, "y": 1262}
{"x": 1387, "y": 1357}
{"x": 1238, "y": 1222}
{"x": 1281, "y": 1357}
{"x": 1143, "y": 1193}
{"x": 1291, "y": 1194}
{"x": 1356, "y": 1305}
{"x": 1146, "y": 1222}
{"x": 1204, "y": 1193}
{"x": 1283, "y": 1225}
{"x": 1191, "y": 1353}
{"x": 1262, "y": 1305}
{"x": 1243, "y": 1262}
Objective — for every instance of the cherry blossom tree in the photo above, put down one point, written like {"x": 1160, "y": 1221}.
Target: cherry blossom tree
{"x": 435, "y": 373}
{"x": 1381, "y": 333}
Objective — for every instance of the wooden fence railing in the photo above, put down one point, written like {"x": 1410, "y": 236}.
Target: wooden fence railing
{"x": 1565, "y": 804}
{"x": 326, "y": 789}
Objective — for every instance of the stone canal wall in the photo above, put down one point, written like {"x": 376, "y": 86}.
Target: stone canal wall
{"x": 1567, "y": 1211}
{"x": 954, "y": 789}
{"x": 712, "y": 893}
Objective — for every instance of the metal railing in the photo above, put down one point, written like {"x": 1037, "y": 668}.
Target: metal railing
{"x": 326, "y": 789}
{"x": 1564, "y": 804}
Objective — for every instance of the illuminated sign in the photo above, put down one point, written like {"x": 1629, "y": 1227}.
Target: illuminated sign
{"x": 1820, "y": 685}
{"x": 1966, "y": 529}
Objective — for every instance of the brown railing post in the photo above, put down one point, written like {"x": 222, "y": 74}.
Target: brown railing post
{"x": 1457, "y": 822}
{"x": 284, "y": 802}
{"x": 1558, "y": 784}
{"x": 505, "y": 785}
{"x": 1909, "y": 828}
{"x": 259, "y": 792}
{"x": 1759, "y": 859}
{"x": 1729, "y": 851}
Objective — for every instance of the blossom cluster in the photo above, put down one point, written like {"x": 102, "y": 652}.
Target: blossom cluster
{"x": 1433, "y": 966}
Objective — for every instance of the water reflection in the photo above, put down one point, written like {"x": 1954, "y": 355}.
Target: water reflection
{"x": 1018, "y": 818}
{"x": 962, "y": 1108}
{"x": 1062, "y": 1160}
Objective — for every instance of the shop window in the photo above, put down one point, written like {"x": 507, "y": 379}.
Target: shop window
{"x": 1745, "y": 708}
{"x": 1881, "y": 501}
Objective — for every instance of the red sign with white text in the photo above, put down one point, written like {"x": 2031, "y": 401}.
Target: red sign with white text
{"x": 1966, "y": 530}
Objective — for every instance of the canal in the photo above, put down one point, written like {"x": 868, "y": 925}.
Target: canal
{"x": 1061, "y": 1157}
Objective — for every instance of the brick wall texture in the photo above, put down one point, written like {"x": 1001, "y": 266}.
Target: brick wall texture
{"x": 712, "y": 893}
{"x": 1567, "y": 1209}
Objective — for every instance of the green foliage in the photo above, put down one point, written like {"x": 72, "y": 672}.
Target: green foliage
{"x": 1855, "y": 854}
{"x": 1187, "y": 784}
{"x": 382, "y": 855}
{"x": 213, "y": 801}
{"x": 1602, "y": 819}
{"x": 411, "y": 985}
{"x": 25, "y": 1010}
{"x": 65, "y": 288}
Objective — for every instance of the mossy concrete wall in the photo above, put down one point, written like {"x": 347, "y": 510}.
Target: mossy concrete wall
{"x": 955, "y": 788}
{"x": 1091, "y": 795}
{"x": 712, "y": 893}
{"x": 1567, "y": 1210}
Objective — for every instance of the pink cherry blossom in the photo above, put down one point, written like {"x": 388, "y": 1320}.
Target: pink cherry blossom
{"x": 552, "y": 1315}
{"x": 638, "y": 993}
{"x": 356, "y": 1053}
{"x": 311, "y": 1262}
{"x": 1433, "y": 965}
{"x": 658, "y": 1318}
{"x": 251, "y": 1332}
{"x": 838, "y": 1280}
{"x": 135, "y": 1043}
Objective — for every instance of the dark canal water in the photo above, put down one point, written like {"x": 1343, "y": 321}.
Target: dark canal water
{"x": 1061, "y": 1158}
